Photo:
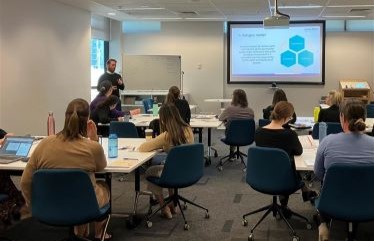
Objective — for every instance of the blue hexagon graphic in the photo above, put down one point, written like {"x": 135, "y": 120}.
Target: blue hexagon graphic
{"x": 297, "y": 43}
{"x": 288, "y": 58}
{"x": 305, "y": 58}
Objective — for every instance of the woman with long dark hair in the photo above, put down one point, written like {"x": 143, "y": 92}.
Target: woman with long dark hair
{"x": 174, "y": 132}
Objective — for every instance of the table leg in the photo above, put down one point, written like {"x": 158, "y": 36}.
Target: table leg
{"x": 108, "y": 180}
{"x": 134, "y": 220}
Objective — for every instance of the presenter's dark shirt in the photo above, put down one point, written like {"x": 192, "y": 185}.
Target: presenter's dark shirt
{"x": 284, "y": 139}
{"x": 112, "y": 77}
{"x": 330, "y": 114}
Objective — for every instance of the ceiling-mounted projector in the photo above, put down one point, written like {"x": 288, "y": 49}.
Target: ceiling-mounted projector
{"x": 277, "y": 20}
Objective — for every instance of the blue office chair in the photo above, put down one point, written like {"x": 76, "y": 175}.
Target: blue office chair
{"x": 123, "y": 129}
{"x": 263, "y": 122}
{"x": 148, "y": 105}
{"x": 332, "y": 128}
{"x": 183, "y": 167}
{"x": 66, "y": 197}
{"x": 270, "y": 171}
{"x": 3, "y": 198}
{"x": 347, "y": 194}
{"x": 238, "y": 133}
{"x": 370, "y": 110}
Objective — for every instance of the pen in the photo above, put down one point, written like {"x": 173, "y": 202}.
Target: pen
{"x": 129, "y": 158}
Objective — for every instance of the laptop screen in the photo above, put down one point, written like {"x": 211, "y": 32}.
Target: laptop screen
{"x": 17, "y": 145}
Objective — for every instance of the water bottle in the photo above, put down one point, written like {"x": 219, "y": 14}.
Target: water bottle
{"x": 50, "y": 124}
{"x": 112, "y": 146}
{"x": 155, "y": 109}
{"x": 322, "y": 131}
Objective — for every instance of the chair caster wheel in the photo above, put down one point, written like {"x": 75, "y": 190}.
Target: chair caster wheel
{"x": 185, "y": 206}
{"x": 251, "y": 237}
{"x": 310, "y": 184}
{"x": 186, "y": 226}
{"x": 149, "y": 224}
{"x": 220, "y": 168}
{"x": 245, "y": 222}
{"x": 295, "y": 238}
{"x": 309, "y": 226}
{"x": 207, "y": 216}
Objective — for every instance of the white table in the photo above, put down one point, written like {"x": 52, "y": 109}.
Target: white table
{"x": 310, "y": 147}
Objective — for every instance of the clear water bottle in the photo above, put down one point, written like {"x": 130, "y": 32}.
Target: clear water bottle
{"x": 322, "y": 131}
{"x": 112, "y": 146}
{"x": 50, "y": 124}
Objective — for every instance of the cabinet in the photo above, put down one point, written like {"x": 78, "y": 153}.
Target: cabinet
{"x": 358, "y": 89}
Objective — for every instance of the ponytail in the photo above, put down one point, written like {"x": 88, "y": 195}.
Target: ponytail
{"x": 357, "y": 125}
{"x": 76, "y": 117}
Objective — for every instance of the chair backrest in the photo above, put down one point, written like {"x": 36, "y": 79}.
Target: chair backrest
{"x": 269, "y": 170}
{"x": 63, "y": 197}
{"x": 370, "y": 110}
{"x": 155, "y": 126}
{"x": 123, "y": 129}
{"x": 148, "y": 104}
{"x": 240, "y": 132}
{"x": 348, "y": 192}
{"x": 184, "y": 166}
{"x": 263, "y": 122}
{"x": 332, "y": 128}
{"x": 3, "y": 197}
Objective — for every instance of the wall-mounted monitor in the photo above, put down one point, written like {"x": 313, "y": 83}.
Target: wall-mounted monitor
{"x": 294, "y": 55}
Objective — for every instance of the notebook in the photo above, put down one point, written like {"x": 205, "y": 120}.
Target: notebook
{"x": 15, "y": 148}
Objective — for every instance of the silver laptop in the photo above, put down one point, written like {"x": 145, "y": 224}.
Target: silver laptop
{"x": 15, "y": 148}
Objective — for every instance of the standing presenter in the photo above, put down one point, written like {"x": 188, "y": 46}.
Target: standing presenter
{"x": 115, "y": 78}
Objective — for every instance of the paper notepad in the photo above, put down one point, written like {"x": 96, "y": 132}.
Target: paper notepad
{"x": 309, "y": 157}
{"x": 127, "y": 163}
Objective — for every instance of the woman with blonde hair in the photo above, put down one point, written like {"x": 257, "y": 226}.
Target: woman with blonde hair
{"x": 331, "y": 114}
{"x": 75, "y": 147}
{"x": 174, "y": 132}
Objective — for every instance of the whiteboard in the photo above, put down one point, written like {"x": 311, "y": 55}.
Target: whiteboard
{"x": 151, "y": 72}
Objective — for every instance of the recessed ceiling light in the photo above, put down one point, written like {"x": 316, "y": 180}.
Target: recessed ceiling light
{"x": 301, "y": 7}
{"x": 139, "y": 9}
{"x": 112, "y": 14}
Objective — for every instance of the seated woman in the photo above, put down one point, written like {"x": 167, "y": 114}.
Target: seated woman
{"x": 350, "y": 146}
{"x": 182, "y": 105}
{"x": 279, "y": 95}
{"x": 331, "y": 114}
{"x": 174, "y": 131}
{"x": 75, "y": 147}
{"x": 276, "y": 136}
{"x": 105, "y": 90}
{"x": 102, "y": 113}
{"x": 237, "y": 110}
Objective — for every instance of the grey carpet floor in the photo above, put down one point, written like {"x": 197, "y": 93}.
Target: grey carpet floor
{"x": 227, "y": 197}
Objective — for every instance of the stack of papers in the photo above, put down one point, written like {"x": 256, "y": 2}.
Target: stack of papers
{"x": 309, "y": 157}
{"x": 307, "y": 142}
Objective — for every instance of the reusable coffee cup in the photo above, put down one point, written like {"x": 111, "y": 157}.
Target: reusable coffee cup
{"x": 148, "y": 134}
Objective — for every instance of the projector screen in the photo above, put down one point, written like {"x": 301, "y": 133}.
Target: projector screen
{"x": 294, "y": 55}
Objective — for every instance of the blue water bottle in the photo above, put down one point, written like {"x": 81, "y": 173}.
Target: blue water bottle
{"x": 322, "y": 131}
{"x": 112, "y": 146}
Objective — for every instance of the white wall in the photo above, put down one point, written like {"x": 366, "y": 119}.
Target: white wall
{"x": 197, "y": 43}
{"x": 348, "y": 56}
{"x": 45, "y": 62}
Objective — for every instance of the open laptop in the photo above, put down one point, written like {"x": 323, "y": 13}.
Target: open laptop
{"x": 15, "y": 148}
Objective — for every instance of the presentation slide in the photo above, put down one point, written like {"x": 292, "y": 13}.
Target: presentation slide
{"x": 284, "y": 55}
